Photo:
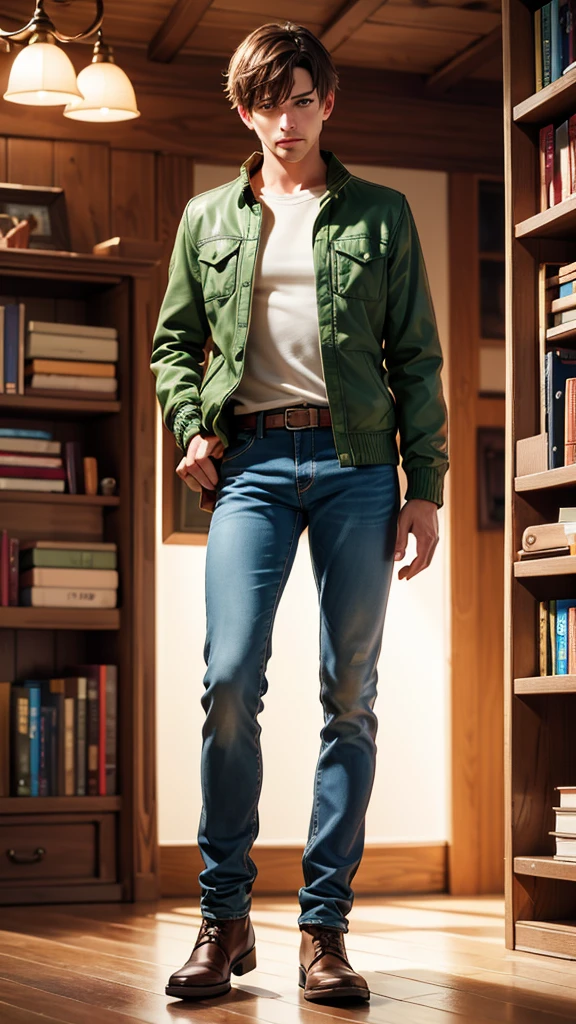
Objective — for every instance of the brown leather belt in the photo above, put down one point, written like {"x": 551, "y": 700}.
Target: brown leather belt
{"x": 294, "y": 417}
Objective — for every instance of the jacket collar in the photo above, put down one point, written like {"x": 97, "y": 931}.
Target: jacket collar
{"x": 336, "y": 173}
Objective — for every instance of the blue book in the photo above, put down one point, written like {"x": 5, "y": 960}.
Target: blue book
{"x": 559, "y": 365}
{"x": 566, "y": 289}
{"x": 555, "y": 41}
{"x": 35, "y": 700}
{"x": 11, "y": 333}
{"x": 43, "y": 435}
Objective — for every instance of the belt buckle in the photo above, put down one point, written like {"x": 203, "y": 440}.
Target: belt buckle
{"x": 300, "y": 408}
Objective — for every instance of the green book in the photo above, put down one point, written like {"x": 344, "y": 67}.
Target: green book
{"x": 58, "y": 558}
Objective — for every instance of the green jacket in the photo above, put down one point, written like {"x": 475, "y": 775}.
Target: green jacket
{"x": 373, "y": 303}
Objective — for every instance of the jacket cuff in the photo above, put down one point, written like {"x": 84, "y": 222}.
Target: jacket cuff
{"x": 186, "y": 424}
{"x": 426, "y": 483}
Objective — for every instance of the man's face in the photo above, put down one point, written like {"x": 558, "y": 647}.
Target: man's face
{"x": 291, "y": 129}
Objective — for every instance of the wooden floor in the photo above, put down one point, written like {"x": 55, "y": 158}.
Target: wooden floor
{"x": 428, "y": 960}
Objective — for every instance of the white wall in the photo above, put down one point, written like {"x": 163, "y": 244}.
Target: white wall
{"x": 411, "y": 794}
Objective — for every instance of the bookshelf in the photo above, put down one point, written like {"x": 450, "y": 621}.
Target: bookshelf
{"x": 89, "y": 848}
{"x": 540, "y": 711}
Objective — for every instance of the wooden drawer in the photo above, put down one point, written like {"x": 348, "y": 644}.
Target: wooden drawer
{"x": 76, "y": 848}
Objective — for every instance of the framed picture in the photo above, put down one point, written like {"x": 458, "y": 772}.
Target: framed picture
{"x": 491, "y": 477}
{"x": 183, "y": 522}
{"x": 48, "y": 208}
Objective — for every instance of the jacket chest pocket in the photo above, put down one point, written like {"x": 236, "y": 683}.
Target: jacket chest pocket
{"x": 218, "y": 262}
{"x": 358, "y": 266}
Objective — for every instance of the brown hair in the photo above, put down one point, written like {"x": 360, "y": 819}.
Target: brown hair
{"x": 262, "y": 66}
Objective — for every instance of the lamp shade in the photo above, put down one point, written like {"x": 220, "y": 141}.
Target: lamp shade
{"x": 42, "y": 75}
{"x": 108, "y": 95}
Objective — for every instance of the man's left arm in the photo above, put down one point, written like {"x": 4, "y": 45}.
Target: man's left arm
{"x": 414, "y": 361}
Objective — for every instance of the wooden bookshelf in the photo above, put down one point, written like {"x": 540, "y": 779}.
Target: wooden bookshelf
{"x": 89, "y": 848}
{"x": 540, "y": 712}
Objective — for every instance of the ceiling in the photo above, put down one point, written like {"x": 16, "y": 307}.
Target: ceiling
{"x": 445, "y": 41}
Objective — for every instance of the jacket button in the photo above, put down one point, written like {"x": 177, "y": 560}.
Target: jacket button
{"x": 245, "y": 284}
{"x": 366, "y": 255}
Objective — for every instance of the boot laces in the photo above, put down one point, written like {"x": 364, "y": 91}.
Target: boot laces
{"x": 328, "y": 940}
{"x": 212, "y": 931}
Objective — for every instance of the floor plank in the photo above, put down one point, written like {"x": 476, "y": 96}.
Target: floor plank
{"x": 427, "y": 960}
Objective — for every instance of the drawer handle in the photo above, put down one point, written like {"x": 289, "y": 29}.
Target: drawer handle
{"x": 22, "y": 859}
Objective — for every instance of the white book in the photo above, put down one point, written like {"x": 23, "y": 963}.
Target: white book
{"x": 565, "y": 820}
{"x": 29, "y": 444}
{"x": 69, "y": 545}
{"x": 565, "y": 317}
{"x": 44, "y": 461}
{"x": 78, "y": 330}
{"x": 55, "y": 346}
{"x": 108, "y": 385}
{"x": 567, "y": 794}
{"x": 94, "y": 579}
{"x": 67, "y": 597}
{"x": 29, "y": 483}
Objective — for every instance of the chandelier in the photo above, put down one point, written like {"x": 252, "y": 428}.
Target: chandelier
{"x": 43, "y": 75}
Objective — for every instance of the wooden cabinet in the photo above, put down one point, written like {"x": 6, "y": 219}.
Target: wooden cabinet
{"x": 61, "y": 849}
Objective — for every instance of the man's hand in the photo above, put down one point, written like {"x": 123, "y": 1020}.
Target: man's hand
{"x": 196, "y": 468}
{"x": 419, "y": 517}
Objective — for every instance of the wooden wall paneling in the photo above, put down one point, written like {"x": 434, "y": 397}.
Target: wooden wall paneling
{"x": 82, "y": 169}
{"x": 381, "y": 117}
{"x": 133, "y": 193}
{"x": 30, "y": 161}
{"x": 34, "y": 653}
{"x": 3, "y": 171}
{"x": 464, "y": 857}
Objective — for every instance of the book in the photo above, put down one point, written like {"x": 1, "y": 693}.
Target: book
{"x": 20, "y": 741}
{"x": 4, "y": 568}
{"x": 33, "y": 688}
{"x": 74, "y": 467}
{"x": 57, "y": 558}
{"x": 562, "y": 607}
{"x": 69, "y": 347}
{"x": 33, "y": 446}
{"x": 538, "y": 48}
{"x": 5, "y": 738}
{"x": 41, "y": 435}
{"x": 565, "y": 820}
{"x": 546, "y": 137}
{"x": 33, "y": 472}
{"x": 81, "y": 545}
{"x": 70, "y": 367}
{"x": 13, "y": 569}
{"x": 67, "y": 597}
{"x": 567, "y": 796}
{"x": 77, "y": 579}
{"x": 546, "y": 35}
{"x": 62, "y": 381}
{"x": 23, "y": 484}
{"x": 76, "y": 330}
{"x": 559, "y": 365}
{"x": 19, "y": 459}
{"x": 105, "y": 679}
{"x": 90, "y": 467}
{"x": 14, "y": 315}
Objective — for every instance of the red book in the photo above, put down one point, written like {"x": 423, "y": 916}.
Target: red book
{"x": 33, "y": 471}
{"x": 547, "y": 166}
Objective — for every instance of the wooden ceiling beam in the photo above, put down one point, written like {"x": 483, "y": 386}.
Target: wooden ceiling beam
{"x": 465, "y": 62}
{"x": 347, "y": 20}
{"x": 177, "y": 29}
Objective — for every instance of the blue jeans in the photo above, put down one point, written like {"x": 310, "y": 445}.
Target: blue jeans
{"x": 272, "y": 484}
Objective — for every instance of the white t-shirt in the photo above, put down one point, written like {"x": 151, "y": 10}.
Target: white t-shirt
{"x": 283, "y": 364}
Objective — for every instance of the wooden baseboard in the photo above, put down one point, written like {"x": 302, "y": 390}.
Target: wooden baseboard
{"x": 386, "y": 869}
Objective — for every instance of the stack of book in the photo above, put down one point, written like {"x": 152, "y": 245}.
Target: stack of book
{"x": 68, "y": 574}
{"x": 71, "y": 359}
{"x": 30, "y": 460}
{"x": 58, "y": 737}
{"x": 559, "y": 379}
{"x": 557, "y": 162}
{"x": 565, "y": 831}
{"x": 555, "y": 41}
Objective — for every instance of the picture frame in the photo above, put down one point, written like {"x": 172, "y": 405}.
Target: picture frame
{"x": 47, "y": 204}
{"x": 490, "y": 467}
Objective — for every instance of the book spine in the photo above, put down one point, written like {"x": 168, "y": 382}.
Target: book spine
{"x": 538, "y": 49}
{"x": 572, "y": 641}
{"x": 543, "y": 638}
{"x": 81, "y": 738}
{"x": 43, "y": 780}
{"x": 20, "y": 733}
{"x": 65, "y": 597}
{"x": 69, "y": 746}
{"x": 546, "y": 45}
{"x": 111, "y": 729}
{"x": 4, "y": 568}
{"x": 92, "y": 734}
{"x": 561, "y": 641}
{"x": 555, "y": 41}
{"x": 11, "y": 316}
{"x": 552, "y": 624}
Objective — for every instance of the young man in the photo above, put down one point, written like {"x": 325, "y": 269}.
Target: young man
{"x": 306, "y": 277}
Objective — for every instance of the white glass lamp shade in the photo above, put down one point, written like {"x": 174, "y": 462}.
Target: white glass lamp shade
{"x": 108, "y": 95}
{"x": 42, "y": 75}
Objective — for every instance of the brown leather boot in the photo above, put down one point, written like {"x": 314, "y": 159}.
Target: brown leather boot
{"x": 222, "y": 948}
{"x": 325, "y": 972}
